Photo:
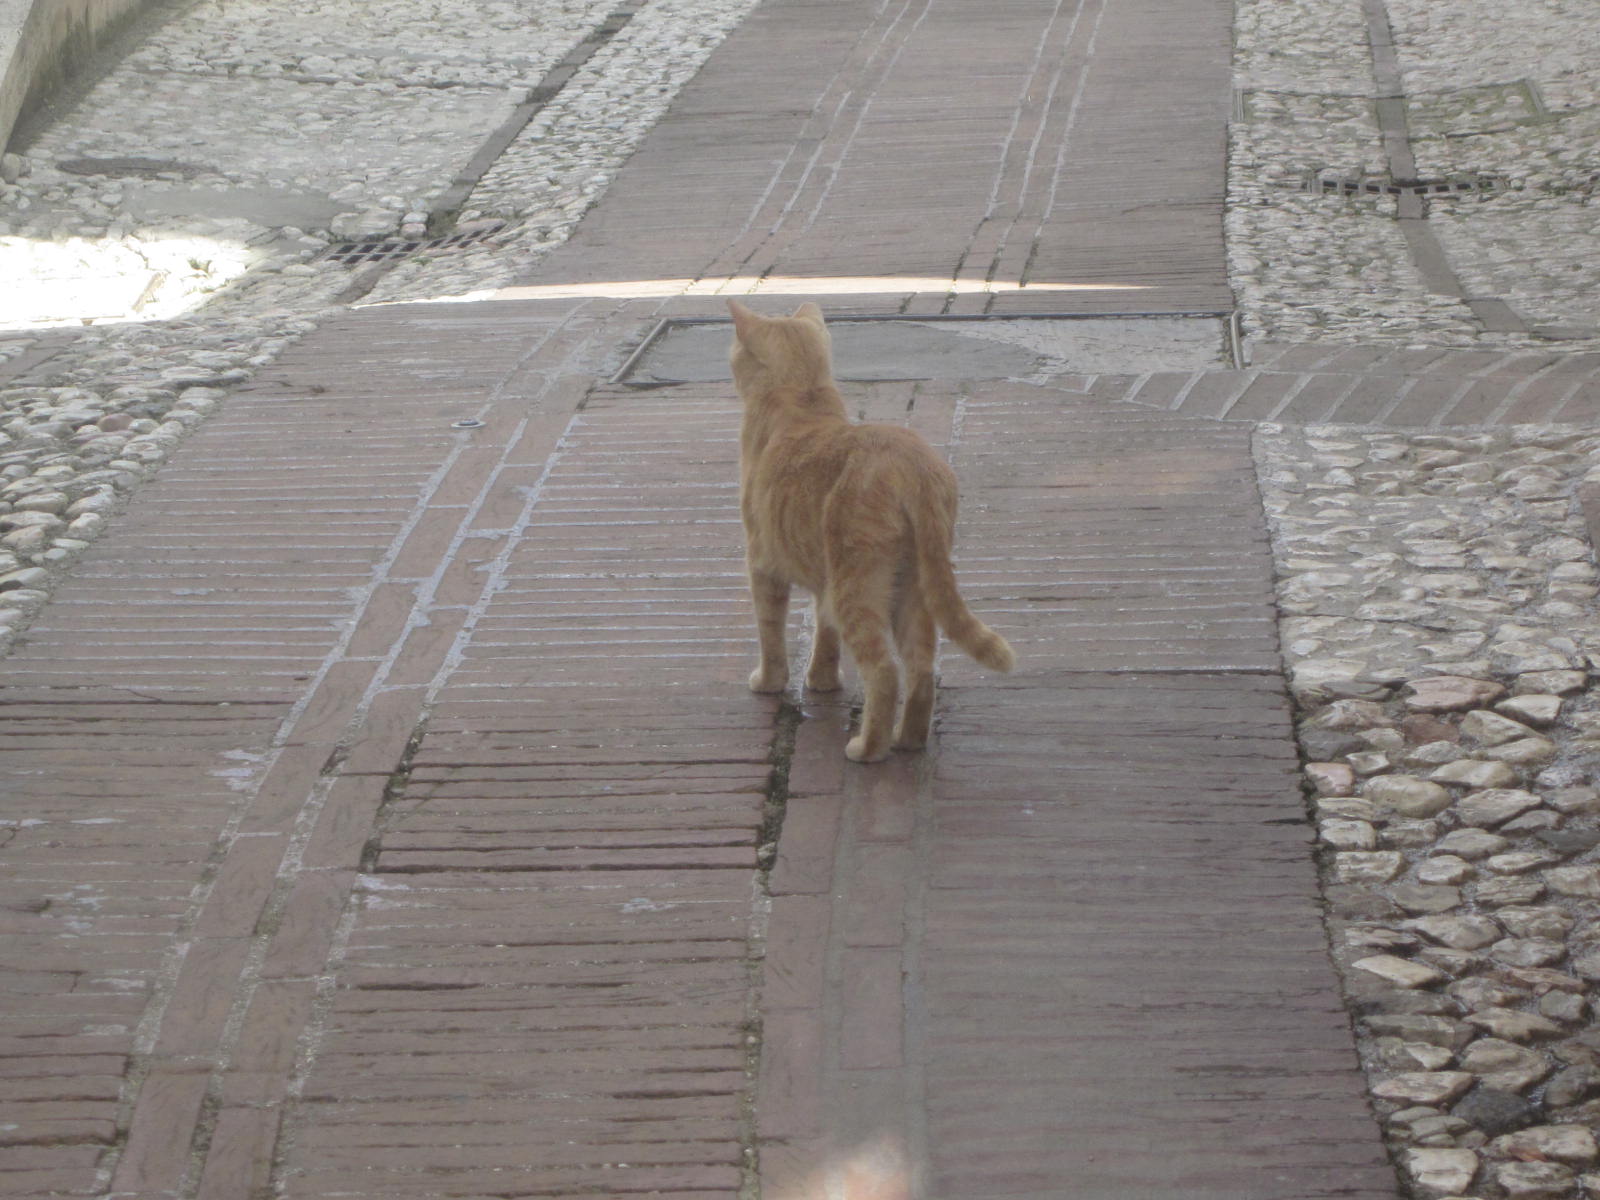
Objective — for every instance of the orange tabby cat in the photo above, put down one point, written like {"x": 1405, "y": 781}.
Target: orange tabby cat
{"x": 861, "y": 516}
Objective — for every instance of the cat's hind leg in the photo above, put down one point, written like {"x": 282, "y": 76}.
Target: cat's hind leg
{"x": 771, "y": 597}
{"x": 822, "y": 675}
{"x": 918, "y": 639}
{"x": 863, "y": 623}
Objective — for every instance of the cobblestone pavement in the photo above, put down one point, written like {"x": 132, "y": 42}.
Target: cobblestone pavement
{"x": 334, "y": 705}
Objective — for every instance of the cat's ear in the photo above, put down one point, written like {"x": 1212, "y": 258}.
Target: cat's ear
{"x": 744, "y": 321}
{"x": 810, "y": 312}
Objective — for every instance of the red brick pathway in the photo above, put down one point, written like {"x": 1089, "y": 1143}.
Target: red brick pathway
{"x": 1381, "y": 385}
{"x": 883, "y": 147}
{"x": 1077, "y": 950}
{"x": 398, "y": 818}
{"x": 197, "y": 737}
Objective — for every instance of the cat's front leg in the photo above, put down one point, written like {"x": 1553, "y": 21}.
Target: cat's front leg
{"x": 771, "y": 596}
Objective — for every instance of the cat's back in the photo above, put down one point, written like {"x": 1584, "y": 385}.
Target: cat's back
{"x": 827, "y": 456}
{"x": 900, "y": 457}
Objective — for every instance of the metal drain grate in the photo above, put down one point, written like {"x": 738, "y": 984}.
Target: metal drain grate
{"x": 1343, "y": 185}
{"x": 383, "y": 249}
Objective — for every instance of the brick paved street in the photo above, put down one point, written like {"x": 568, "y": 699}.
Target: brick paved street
{"x": 393, "y": 817}
{"x": 426, "y": 811}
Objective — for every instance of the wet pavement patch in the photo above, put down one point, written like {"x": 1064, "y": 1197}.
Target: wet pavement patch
{"x": 269, "y": 207}
{"x": 868, "y": 350}
{"x": 133, "y": 167}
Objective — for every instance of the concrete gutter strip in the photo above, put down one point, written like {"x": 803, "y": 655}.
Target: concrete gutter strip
{"x": 12, "y": 14}
{"x": 40, "y": 40}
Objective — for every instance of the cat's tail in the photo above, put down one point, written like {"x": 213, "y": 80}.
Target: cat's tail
{"x": 938, "y": 580}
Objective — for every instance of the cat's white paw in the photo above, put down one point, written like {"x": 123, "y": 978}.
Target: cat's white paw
{"x": 857, "y": 750}
{"x": 761, "y": 681}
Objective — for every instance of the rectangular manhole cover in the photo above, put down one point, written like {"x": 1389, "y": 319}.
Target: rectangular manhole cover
{"x": 878, "y": 349}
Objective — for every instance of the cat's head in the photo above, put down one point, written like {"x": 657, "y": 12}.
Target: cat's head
{"x": 774, "y": 352}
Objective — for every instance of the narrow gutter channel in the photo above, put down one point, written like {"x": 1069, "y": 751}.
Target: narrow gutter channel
{"x": 444, "y": 211}
{"x": 1427, "y": 252}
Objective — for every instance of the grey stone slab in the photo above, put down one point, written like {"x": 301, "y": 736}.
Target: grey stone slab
{"x": 872, "y": 350}
{"x": 268, "y": 207}
{"x": 295, "y": 123}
